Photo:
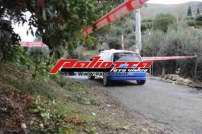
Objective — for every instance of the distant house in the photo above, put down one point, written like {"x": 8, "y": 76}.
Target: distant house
{"x": 38, "y": 44}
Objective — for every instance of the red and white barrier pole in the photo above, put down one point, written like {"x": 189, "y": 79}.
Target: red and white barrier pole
{"x": 122, "y": 10}
{"x": 165, "y": 58}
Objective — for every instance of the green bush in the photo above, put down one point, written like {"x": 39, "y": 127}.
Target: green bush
{"x": 179, "y": 40}
{"x": 40, "y": 58}
{"x": 163, "y": 21}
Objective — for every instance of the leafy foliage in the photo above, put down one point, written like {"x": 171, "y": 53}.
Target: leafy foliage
{"x": 112, "y": 35}
{"x": 126, "y": 28}
{"x": 198, "y": 11}
{"x": 14, "y": 9}
{"x": 189, "y": 11}
{"x": 178, "y": 41}
{"x": 42, "y": 106}
{"x": 146, "y": 24}
{"x": 58, "y": 22}
{"x": 195, "y": 22}
{"x": 9, "y": 41}
{"x": 162, "y": 21}
{"x": 152, "y": 43}
{"x": 40, "y": 58}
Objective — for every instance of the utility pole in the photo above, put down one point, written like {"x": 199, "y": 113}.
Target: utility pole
{"x": 122, "y": 41}
{"x": 138, "y": 30}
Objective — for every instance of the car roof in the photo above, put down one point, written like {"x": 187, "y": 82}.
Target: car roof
{"x": 112, "y": 51}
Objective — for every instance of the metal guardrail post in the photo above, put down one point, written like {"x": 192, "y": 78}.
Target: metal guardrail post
{"x": 196, "y": 67}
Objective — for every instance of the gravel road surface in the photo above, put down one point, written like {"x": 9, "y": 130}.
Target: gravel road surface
{"x": 175, "y": 107}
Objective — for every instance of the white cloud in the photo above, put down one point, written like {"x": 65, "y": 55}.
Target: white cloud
{"x": 170, "y": 1}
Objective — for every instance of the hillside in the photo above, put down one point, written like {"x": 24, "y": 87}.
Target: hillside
{"x": 150, "y": 10}
{"x": 59, "y": 105}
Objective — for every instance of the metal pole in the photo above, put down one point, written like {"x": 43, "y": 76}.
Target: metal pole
{"x": 138, "y": 30}
{"x": 122, "y": 41}
{"x": 196, "y": 68}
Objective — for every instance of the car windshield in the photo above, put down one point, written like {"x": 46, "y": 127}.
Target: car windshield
{"x": 126, "y": 57}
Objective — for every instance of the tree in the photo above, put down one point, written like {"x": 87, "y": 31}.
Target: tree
{"x": 152, "y": 42}
{"x": 178, "y": 40}
{"x": 61, "y": 31}
{"x": 198, "y": 12}
{"x": 112, "y": 34}
{"x": 162, "y": 21}
{"x": 8, "y": 40}
{"x": 146, "y": 24}
{"x": 9, "y": 11}
{"x": 189, "y": 11}
{"x": 59, "y": 22}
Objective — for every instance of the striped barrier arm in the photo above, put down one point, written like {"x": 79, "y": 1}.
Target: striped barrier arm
{"x": 165, "y": 58}
{"x": 122, "y": 10}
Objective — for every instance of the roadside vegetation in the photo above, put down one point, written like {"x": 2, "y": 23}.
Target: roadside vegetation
{"x": 32, "y": 100}
{"x": 163, "y": 35}
{"x": 58, "y": 105}
{"x": 175, "y": 37}
{"x": 53, "y": 105}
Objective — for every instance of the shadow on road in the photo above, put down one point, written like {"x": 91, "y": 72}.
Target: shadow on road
{"x": 117, "y": 83}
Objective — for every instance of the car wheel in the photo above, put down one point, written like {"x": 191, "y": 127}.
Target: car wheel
{"x": 141, "y": 82}
{"x": 105, "y": 80}
{"x": 90, "y": 77}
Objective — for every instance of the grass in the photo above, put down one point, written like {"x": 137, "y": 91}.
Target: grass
{"x": 57, "y": 102}
{"x": 55, "y": 105}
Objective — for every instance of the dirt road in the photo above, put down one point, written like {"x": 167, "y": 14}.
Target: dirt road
{"x": 174, "y": 107}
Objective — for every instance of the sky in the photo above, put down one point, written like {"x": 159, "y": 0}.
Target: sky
{"x": 22, "y": 30}
{"x": 170, "y": 1}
